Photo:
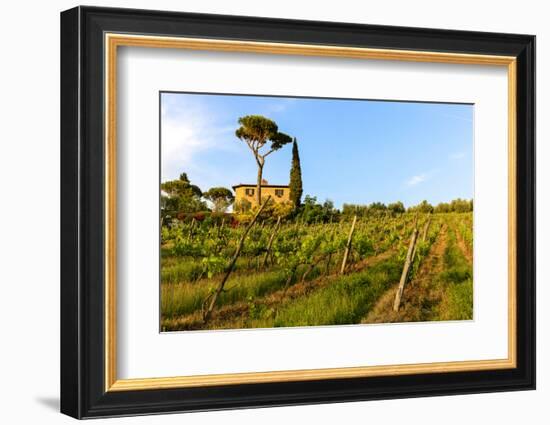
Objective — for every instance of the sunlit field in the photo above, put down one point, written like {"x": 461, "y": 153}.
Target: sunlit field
{"x": 294, "y": 273}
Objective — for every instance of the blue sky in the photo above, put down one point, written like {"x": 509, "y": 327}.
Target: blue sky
{"x": 351, "y": 151}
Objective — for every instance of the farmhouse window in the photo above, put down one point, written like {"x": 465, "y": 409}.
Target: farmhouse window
{"x": 279, "y": 193}
{"x": 249, "y": 192}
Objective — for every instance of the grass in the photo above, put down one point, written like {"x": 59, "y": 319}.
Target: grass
{"x": 175, "y": 272}
{"x": 459, "y": 301}
{"x": 188, "y": 269}
{"x": 344, "y": 301}
{"x": 458, "y": 295}
{"x": 186, "y": 298}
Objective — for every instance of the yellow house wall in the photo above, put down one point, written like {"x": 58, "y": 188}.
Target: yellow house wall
{"x": 240, "y": 194}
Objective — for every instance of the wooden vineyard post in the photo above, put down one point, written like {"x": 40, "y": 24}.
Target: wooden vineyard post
{"x": 405, "y": 272}
{"x": 416, "y": 243}
{"x": 329, "y": 258}
{"x": 270, "y": 242}
{"x": 219, "y": 289}
{"x": 348, "y": 246}
{"x": 425, "y": 231}
{"x": 418, "y": 237}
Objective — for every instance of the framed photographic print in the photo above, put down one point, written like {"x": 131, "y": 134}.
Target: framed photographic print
{"x": 261, "y": 212}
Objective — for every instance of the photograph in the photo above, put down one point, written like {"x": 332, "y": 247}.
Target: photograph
{"x": 295, "y": 211}
{"x": 284, "y": 210}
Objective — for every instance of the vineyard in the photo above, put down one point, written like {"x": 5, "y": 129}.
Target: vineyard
{"x": 280, "y": 273}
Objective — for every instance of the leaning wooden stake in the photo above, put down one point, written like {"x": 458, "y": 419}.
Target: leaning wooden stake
{"x": 270, "y": 242}
{"x": 425, "y": 231}
{"x": 418, "y": 239}
{"x": 219, "y": 289}
{"x": 348, "y": 246}
{"x": 405, "y": 272}
{"x": 416, "y": 243}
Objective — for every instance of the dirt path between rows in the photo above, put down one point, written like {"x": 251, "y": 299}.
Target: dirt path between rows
{"x": 419, "y": 295}
{"x": 235, "y": 315}
{"x": 463, "y": 246}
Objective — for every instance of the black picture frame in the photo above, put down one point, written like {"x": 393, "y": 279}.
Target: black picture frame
{"x": 82, "y": 212}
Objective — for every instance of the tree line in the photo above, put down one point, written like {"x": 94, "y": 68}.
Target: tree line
{"x": 456, "y": 205}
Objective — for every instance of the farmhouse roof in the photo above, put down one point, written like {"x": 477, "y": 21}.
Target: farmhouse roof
{"x": 263, "y": 185}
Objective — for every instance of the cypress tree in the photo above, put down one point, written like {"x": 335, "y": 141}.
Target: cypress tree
{"x": 295, "y": 184}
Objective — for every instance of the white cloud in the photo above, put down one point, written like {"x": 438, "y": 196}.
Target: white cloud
{"x": 414, "y": 180}
{"x": 422, "y": 177}
{"x": 191, "y": 131}
{"x": 187, "y": 130}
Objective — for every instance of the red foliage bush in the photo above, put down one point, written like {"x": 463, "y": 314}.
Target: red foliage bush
{"x": 199, "y": 216}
